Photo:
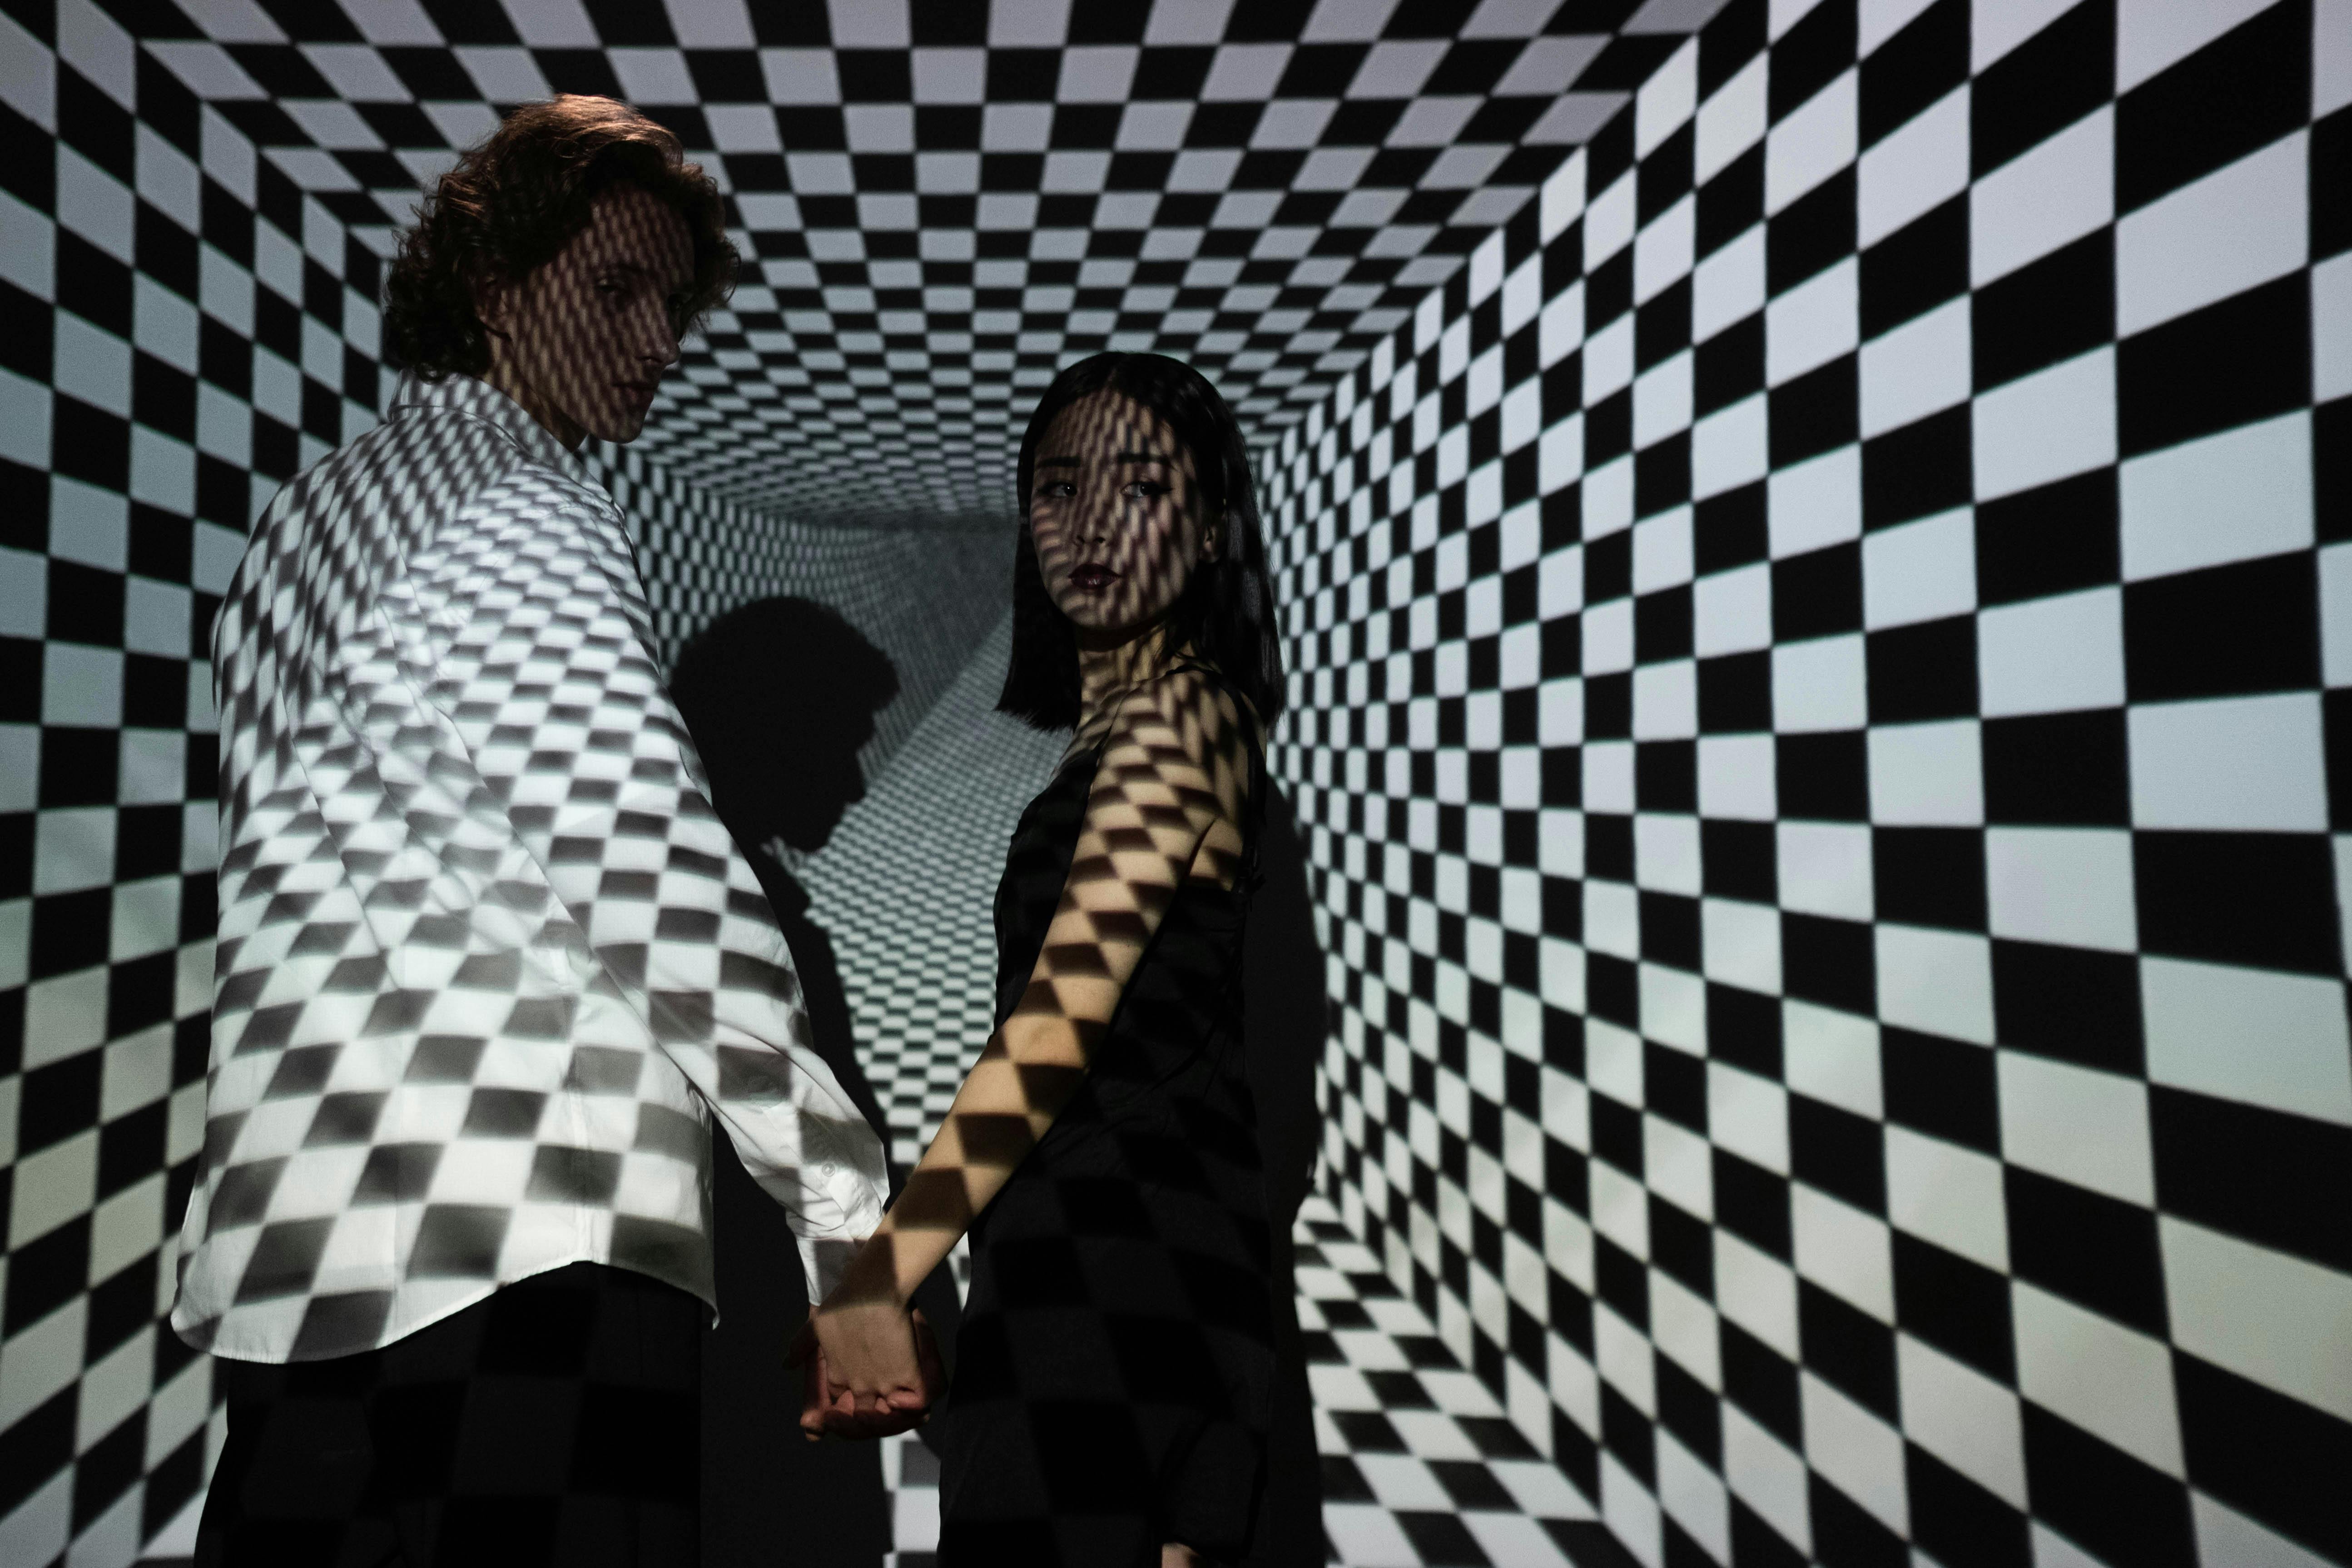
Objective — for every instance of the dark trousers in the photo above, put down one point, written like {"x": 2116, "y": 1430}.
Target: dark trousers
{"x": 556, "y": 1422}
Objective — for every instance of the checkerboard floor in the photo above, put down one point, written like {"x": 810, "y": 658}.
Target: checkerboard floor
{"x": 1420, "y": 1464}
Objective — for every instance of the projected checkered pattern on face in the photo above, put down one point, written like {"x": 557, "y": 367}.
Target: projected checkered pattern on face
{"x": 1817, "y": 665}
{"x": 946, "y": 202}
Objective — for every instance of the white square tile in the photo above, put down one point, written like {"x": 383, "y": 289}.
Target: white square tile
{"x": 1825, "y": 868}
{"x": 2058, "y": 190}
{"x": 1927, "y": 775}
{"x": 1732, "y": 120}
{"x": 1631, "y": 1511}
{"x": 2234, "y": 496}
{"x": 2113, "y": 1382}
{"x": 1814, "y": 322}
{"x": 1694, "y": 1496}
{"x": 1735, "y": 772}
{"x": 1733, "y": 611}
{"x": 1761, "y": 1471}
{"x": 1857, "y": 1451}
{"x": 1748, "y": 1115}
{"x": 2070, "y": 886}
{"x": 2283, "y": 1321}
{"x": 1916, "y": 369}
{"x": 1943, "y": 1192}
{"x": 2053, "y": 655}
{"x": 1759, "y": 1292}
{"x": 2225, "y": 1535}
{"x": 2242, "y": 764}
{"x": 1815, "y": 502}
{"x": 1813, "y": 142}
{"x": 2258, "y": 1035}
{"x": 1742, "y": 943}
{"x": 1921, "y": 571}
{"x": 2045, "y": 425}
{"x": 1940, "y": 981}
{"x": 1843, "y": 1250}
{"x": 1832, "y": 1056}
{"x": 2241, "y": 226}
{"x": 1963, "y": 1417}
{"x": 2331, "y": 324}
{"x": 1820, "y": 685}
{"x": 2077, "y": 1125}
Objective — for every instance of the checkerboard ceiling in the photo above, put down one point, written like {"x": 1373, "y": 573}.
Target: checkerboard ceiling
{"x": 941, "y": 201}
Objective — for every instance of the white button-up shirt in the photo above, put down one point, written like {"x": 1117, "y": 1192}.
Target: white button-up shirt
{"x": 487, "y": 962}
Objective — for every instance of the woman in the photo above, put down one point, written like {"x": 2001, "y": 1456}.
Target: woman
{"x": 1109, "y": 1399}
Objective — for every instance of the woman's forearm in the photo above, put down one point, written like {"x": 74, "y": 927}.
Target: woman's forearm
{"x": 1003, "y": 1107}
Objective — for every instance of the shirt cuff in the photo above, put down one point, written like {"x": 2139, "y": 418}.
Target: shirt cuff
{"x": 823, "y": 1258}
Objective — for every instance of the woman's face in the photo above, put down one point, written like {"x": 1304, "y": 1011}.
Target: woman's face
{"x": 1115, "y": 514}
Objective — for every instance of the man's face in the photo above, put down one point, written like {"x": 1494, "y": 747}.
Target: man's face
{"x": 583, "y": 340}
{"x": 1114, "y": 514}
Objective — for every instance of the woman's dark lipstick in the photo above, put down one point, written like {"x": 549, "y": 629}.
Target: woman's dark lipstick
{"x": 1092, "y": 576}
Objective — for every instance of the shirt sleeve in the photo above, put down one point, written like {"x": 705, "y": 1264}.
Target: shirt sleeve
{"x": 574, "y": 757}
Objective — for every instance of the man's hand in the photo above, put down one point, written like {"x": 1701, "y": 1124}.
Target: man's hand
{"x": 893, "y": 1369}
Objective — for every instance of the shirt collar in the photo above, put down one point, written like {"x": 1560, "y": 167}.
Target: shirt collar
{"x": 473, "y": 396}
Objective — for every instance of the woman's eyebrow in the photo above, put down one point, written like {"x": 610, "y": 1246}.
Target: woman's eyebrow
{"x": 1116, "y": 458}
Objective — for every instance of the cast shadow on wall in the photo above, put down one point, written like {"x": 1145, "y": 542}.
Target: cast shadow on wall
{"x": 779, "y": 696}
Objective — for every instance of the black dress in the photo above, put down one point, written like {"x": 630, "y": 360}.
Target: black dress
{"x": 1114, "y": 1369}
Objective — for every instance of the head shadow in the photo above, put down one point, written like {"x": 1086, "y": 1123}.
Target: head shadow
{"x": 779, "y": 697}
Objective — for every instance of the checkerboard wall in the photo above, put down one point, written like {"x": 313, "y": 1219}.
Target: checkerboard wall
{"x": 925, "y": 597}
{"x": 945, "y": 201}
{"x": 1819, "y": 664}
{"x": 181, "y": 329}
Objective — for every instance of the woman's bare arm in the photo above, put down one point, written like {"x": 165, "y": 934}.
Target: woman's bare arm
{"x": 1165, "y": 807}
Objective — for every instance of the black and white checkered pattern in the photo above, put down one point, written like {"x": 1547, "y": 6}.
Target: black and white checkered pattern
{"x": 183, "y": 329}
{"x": 941, "y": 202}
{"x": 1420, "y": 1466}
{"x": 924, "y": 597}
{"x": 189, "y": 321}
{"x": 905, "y": 888}
{"x": 1818, "y": 682}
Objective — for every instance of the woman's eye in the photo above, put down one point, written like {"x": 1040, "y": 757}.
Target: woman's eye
{"x": 1147, "y": 489}
{"x": 1058, "y": 490}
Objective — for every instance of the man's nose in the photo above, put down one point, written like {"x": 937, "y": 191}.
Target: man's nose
{"x": 660, "y": 344}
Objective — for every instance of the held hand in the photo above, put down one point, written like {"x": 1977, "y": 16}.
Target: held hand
{"x": 881, "y": 1400}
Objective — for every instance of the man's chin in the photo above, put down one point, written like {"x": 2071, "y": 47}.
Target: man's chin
{"x": 621, "y": 429}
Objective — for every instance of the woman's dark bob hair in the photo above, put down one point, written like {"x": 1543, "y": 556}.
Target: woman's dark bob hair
{"x": 1226, "y": 613}
{"x": 511, "y": 204}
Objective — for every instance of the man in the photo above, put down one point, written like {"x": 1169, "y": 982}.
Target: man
{"x": 488, "y": 961}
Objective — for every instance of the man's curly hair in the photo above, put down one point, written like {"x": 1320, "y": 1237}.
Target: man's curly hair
{"x": 512, "y": 202}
